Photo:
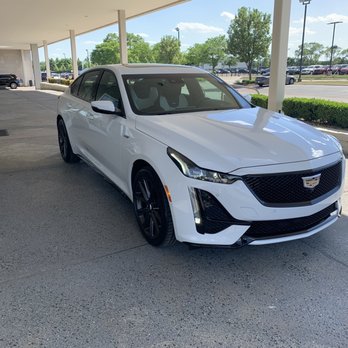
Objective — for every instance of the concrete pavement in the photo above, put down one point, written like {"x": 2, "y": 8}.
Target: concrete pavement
{"x": 75, "y": 271}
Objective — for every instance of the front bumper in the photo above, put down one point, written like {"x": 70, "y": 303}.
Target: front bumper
{"x": 243, "y": 206}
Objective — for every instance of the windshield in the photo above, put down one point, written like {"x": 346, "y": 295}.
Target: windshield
{"x": 159, "y": 94}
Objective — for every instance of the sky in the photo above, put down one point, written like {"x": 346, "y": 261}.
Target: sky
{"x": 199, "y": 20}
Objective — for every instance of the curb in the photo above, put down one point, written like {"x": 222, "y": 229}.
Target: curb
{"x": 53, "y": 86}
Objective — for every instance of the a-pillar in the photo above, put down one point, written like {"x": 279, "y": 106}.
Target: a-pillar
{"x": 122, "y": 33}
{"x": 73, "y": 53}
{"x": 280, "y": 37}
{"x": 47, "y": 60}
{"x": 36, "y": 65}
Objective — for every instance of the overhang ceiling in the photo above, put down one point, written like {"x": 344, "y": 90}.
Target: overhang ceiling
{"x": 23, "y": 22}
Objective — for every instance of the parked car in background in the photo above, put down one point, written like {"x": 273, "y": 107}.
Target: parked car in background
{"x": 309, "y": 69}
{"x": 264, "y": 80}
{"x": 336, "y": 69}
{"x": 321, "y": 70}
{"x": 344, "y": 70}
{"x": 9, "y": 80}
{"x": 222, "y": 71}
{"x": 293, "y": 70}
{"x": 199, "y": 162}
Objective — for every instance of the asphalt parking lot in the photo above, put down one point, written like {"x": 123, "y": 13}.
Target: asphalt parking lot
{"x": 75, "y": 271}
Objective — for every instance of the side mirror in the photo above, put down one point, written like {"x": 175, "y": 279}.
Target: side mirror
{"x": 105, "y": 107}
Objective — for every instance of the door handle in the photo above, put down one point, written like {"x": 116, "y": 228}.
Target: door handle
{"x": 125, "y": 132}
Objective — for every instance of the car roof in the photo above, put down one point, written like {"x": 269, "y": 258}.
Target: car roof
{"x": 152, "y": 69}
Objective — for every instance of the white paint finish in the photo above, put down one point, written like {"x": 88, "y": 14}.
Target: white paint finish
{"x": 101, "y": 140}
{"x": 122, "y": 32}
{"x": 47, "y": 60}
{"x": 280, "y": 37}
{"x": 33, "y": 18}
{"x": 228, "y": 140}
{"x": 36, "y": 65}
{"x": 73, "y": 53}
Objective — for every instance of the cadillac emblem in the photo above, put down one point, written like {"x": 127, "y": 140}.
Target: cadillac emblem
{"x": 311, "y": 181}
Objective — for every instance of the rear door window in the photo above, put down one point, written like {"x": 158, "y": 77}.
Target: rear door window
{"x": 88, "y": 85}
{"x": 75, "y": 86}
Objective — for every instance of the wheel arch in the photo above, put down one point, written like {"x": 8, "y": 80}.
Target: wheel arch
{"x": 59, "y": 117}
{"x": 137, "y": 165}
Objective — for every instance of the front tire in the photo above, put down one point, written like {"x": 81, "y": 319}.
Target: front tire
{"x": 13, "y": 85}
{"x": 64, "y": 143}
{"x": 152, "y": 209}
{"x": 291, "y": 81}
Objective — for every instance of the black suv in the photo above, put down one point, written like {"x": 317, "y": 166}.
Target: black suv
{"x": 9, "y": 80}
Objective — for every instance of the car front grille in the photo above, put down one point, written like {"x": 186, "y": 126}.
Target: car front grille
{"x": 281, "y": 228}
{"x": 287, "y": 189}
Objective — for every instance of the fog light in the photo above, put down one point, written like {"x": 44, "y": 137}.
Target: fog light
{"x": 195, "y": 206}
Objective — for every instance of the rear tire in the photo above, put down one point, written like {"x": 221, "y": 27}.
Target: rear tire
{"x": 291, "y": 81}
{"x": 152, "y": 209}
{"x": 64, "y": 144}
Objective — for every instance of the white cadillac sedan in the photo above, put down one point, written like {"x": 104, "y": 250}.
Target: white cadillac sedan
{"x": 200, "y": 164}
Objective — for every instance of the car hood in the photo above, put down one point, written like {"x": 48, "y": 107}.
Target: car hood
{"x": 232, "y": 139}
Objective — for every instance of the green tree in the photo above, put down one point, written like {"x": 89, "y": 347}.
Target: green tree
{"x": 53, "y": 65}
{"x": 195, "y": 55}
{"x": 107, "y": 52}
{"x": 79, "y": 64}
{"x": 293, "y": 61}
{"x": 343, "y": 56}
{"x": 167, "y": 51}
{"x": 311, "y": 53}
{"x": 230, "y": 60}
{"x": 249, "y": 36}
{"x": 139, "y": 51}
{"x": 214, "y": 50}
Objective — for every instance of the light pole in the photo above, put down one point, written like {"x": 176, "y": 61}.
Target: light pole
{"x": 303, "y": 2}
{"x": 333, "y": 39}
{"x": 178, "y": 30}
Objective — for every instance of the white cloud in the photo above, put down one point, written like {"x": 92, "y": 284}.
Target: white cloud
{"x": 200, "y": 28}
{"x": 228, "y": 15}
{"x": 91, "y": 42}
{"x": 298, "y": 31}
{"x": 144, "y": 35}
{"x": 332, "y": 17}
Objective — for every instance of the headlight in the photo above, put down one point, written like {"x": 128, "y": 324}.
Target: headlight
{"x": 191, "y": 170}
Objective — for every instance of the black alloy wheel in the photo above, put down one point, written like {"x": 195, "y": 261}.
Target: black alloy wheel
{"x": 64, "y": 144}
{"x": 152, "y": 209}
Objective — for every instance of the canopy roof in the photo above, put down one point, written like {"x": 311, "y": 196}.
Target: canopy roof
{"x": 23, "y": 22}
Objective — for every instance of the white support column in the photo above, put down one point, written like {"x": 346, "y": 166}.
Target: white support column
{"x": 28, "y": 73}
{"x": 73, "y": 53}
{"x": 280, "y": 37}
{"x": 36, "y": 65}
{"x": 122, "y": 33}
{"x": 47, "y": 60}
